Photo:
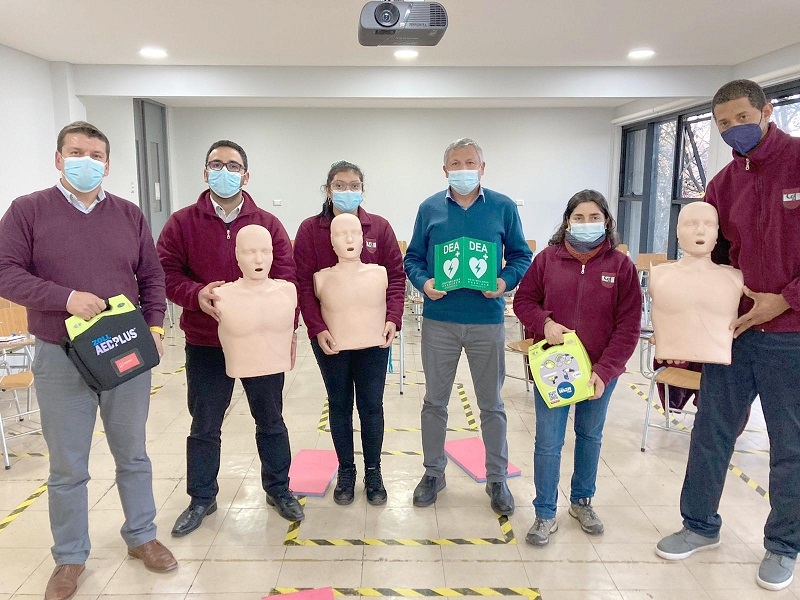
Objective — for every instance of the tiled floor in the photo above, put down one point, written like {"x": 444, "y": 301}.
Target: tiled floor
{"x": 239, "y": 553}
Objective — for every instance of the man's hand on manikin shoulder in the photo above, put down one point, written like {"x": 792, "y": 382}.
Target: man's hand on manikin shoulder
{"x": 206, "y": 298}
{"x": 765, "y": 308}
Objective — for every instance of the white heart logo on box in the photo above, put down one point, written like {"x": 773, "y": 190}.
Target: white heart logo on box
{"x": 450, "y": 267}
{"x": 478, "y": 266}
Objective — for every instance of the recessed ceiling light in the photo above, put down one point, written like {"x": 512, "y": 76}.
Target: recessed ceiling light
{"x": 641, "y": 54}
{"x": 406, "y": 54}
{"x": 150, "y": 52}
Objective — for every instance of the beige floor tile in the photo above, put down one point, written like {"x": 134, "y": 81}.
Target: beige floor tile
{"x": 330, "y": 573}
{"x": 236, "y": 575}
{"x": 652, "y": 576}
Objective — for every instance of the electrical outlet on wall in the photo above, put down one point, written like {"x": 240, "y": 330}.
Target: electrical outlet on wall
{"x": 519, "y": 202}
{"x": 133, "y": 187}
{"x": 277, "y": 202}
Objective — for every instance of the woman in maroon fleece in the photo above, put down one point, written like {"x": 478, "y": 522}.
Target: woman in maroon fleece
{"x": 579, "y": 283}
{"x": 349, "y": 373}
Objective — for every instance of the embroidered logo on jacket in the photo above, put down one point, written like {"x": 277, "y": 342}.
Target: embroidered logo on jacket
{"x": 791, "y": 198}
{"x": 372, "y": 245}
{"x": 608, "y": 279}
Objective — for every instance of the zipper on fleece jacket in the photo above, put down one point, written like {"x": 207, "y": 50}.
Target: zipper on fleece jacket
{"x": 227, "y": 231}
{"x": 580, "y": 296}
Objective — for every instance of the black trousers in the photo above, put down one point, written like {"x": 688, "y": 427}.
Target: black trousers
{"x": 209, "y": 395}
{"x": 359, "y": 375}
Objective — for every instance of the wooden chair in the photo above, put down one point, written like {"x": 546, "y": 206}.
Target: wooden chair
{"x": 16, "y": 358}
{"x": 532, "y": 245}
{"x": 403, "y": 246}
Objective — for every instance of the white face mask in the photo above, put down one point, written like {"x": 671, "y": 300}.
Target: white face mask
{"x": 587, "y": 232}
{"x": 463, "y": 182}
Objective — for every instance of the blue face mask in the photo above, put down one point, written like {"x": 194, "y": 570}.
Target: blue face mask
{"x": 346, "y": 201}
{"x": 224, "y": 183}
{"x": 463, "y": 182}
{"x": 743, "y": 138}
{"x": 84, "y": 173}
{"x": 587, "y": 232}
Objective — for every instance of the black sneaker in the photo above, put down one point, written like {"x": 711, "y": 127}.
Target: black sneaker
{"x": 345, "y": 490}
{"x": 373, "y": 485}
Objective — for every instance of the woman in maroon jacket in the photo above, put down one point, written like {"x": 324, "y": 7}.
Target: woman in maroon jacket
{"x": 349, "y": 373}
{"x": 579, "y": 283}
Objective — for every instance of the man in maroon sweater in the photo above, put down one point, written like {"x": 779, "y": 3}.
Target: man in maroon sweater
{"x": 197, "y": 250}
{"x": 64, "y": 251}
{"x": 757, "y": 196}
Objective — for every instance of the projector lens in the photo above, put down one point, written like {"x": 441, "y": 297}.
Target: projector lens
{"x": 387, "y": 14}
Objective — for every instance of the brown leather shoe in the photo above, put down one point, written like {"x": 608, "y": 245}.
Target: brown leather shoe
{"x": 155, "y": 556}
{"x": 63, "y": 582}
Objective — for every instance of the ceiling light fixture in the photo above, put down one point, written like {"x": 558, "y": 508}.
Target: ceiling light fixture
{"x": 641, "y": 54}
{"x": 405, "y": 54}
{"x": 151, "y": 52}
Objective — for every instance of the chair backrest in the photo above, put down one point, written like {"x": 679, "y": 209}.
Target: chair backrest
{"x": 645, "y": 261}
{"x": 13, "y": 319}
{"x": 624, "y": 249}
{"x": 531, "y": 245}
{"x": 403, "y": 246}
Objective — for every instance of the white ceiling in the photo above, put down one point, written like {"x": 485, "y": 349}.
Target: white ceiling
{"x": 482, "y": 33}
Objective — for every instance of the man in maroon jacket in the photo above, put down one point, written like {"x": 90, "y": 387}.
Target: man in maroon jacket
{"x": 757, "y": 196}
{"x": 197, "y": 251}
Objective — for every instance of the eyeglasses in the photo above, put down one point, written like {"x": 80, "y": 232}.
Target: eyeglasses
{"x": 353, "y": 186}
{"x": 233, "y": 167}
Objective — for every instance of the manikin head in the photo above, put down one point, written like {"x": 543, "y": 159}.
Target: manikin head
{"x": 254, "y": 251}
{"x": 347, "y": 238}
{"x": 697, "y": 229}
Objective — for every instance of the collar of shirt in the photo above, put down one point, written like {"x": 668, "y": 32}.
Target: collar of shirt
{"x": 449, "y": 196}
{"x": 229, "y": 218}
{"x": 73, "y": 199}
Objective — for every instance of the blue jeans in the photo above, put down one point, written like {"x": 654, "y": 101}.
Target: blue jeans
{"x": 359, "y": 375}
{"x": 767, "y": 365}
{"x": 551, "y": 428}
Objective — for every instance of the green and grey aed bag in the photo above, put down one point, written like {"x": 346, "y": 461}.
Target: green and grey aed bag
{"x": 112, "y": 347}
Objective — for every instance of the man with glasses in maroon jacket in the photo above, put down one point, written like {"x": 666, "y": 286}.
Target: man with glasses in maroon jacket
{"x": 197, "y": 251}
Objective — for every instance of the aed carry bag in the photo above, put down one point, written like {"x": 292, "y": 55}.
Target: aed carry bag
{"x": 112, "y": 347}
{"x": 561, "y": 373}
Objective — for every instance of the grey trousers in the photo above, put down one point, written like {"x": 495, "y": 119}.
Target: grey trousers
{"x": 68, "y": 412}
{"x": 441, "y": 350}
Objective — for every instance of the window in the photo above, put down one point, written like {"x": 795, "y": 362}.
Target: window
{"x": 664, "y": 165}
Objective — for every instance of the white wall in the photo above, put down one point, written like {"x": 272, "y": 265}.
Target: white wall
{"x": 541, "y": 156}
{"x": 27, "y": 127}
{"x": 114, "y": 117}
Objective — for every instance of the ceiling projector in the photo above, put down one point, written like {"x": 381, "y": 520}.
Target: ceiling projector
{"x": 401, "y": 24}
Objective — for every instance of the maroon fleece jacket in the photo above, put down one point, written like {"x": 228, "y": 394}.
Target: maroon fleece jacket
{"x": 758, "y": 200}
{"x": 601, "y": 301}
{"x": 313, "y": 252}
{"x": 48, "y": 248}
{"x": 196, "y": 247}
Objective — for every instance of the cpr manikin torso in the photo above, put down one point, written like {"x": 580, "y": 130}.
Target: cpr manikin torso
{"x": 352, "y": 294}
{"x": 256, "y": 313}
{"x": 694, "y": 300}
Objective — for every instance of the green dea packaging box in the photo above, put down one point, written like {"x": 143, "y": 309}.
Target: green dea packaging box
{"x": 466, "y": 263}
